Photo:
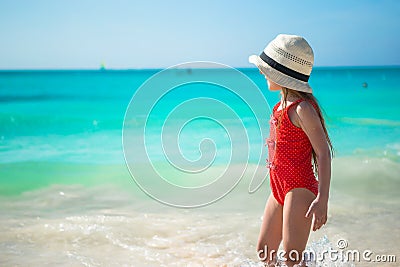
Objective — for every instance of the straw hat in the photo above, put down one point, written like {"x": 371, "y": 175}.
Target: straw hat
{"x": 287, "y": 61}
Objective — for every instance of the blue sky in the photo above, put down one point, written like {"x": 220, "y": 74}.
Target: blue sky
{"x": 157, "y": 34}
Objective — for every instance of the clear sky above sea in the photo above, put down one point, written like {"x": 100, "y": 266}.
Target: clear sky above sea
{"x": 81, "y": 34}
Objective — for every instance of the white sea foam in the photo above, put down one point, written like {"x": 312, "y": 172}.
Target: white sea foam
{"x": 103, "y": 225}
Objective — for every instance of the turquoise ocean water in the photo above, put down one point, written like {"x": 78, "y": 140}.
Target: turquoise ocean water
{"x": 67, "y": 198}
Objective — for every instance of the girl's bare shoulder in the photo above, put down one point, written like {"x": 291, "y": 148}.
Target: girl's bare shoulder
{"x": 306, "y": 111}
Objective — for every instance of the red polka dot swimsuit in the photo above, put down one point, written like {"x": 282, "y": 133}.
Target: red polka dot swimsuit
{"x": 289, "y": 156}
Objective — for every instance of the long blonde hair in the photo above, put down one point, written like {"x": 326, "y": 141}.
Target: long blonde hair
{"x": 310, "y": 98}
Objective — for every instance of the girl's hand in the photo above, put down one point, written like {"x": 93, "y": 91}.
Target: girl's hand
{"x": 319, "y": 209}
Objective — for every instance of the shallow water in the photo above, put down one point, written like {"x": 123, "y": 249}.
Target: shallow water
{"x": 113, "y": 224}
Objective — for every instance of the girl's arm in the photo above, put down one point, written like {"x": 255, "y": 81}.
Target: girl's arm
{"x": 311, "y": 124}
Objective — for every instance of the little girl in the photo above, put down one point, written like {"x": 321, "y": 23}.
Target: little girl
{"x": 298, "y": 142}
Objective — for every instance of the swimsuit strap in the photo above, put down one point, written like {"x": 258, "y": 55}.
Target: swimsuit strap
{"x": 275, "y": 109}
{"x": 294, "y": 103}
{"x": 315, "y": 106}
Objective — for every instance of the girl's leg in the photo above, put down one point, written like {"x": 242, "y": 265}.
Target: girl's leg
{"x": 271, "y": 230}
{"x": 296, "y": 227}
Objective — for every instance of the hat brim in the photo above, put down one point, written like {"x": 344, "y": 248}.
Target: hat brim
{"x": 279, "y": 77}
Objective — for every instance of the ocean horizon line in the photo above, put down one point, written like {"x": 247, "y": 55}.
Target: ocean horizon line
{"x": 180, "y": 68}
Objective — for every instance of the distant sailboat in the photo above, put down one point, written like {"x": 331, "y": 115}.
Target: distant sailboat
{"x": 102, "y": 66}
